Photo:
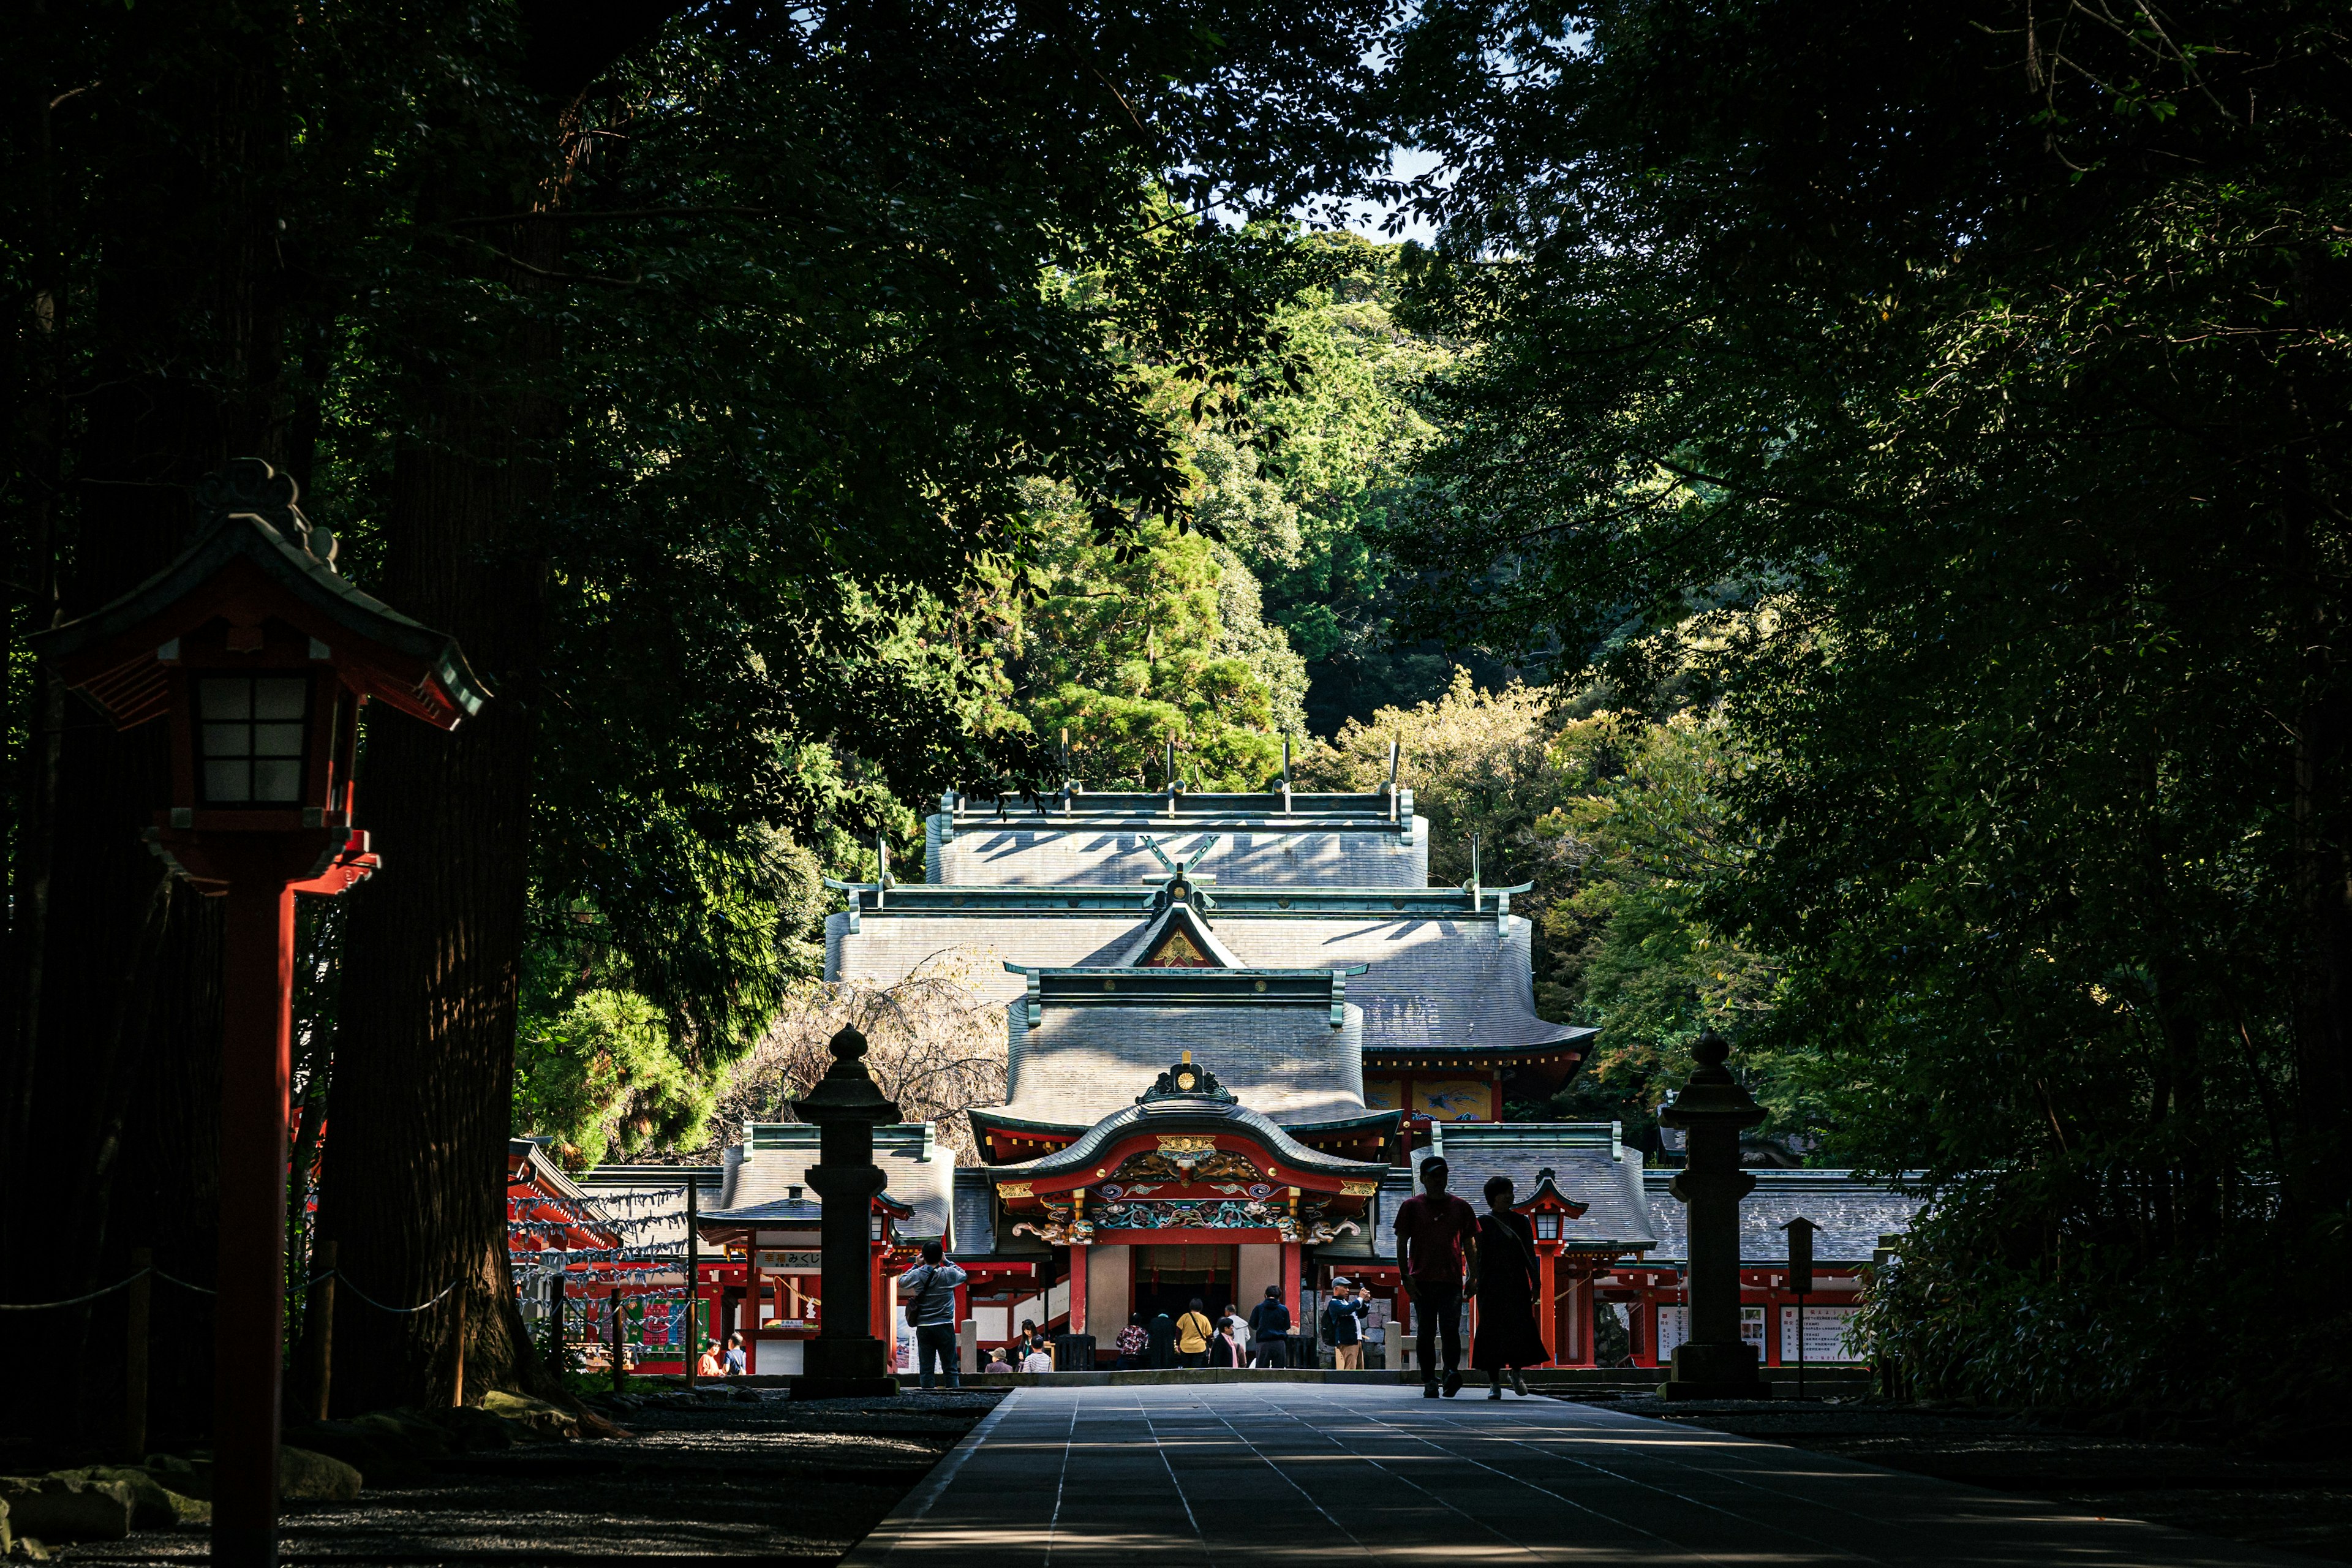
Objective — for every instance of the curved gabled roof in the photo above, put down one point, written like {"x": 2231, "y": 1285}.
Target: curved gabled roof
{"x": 1187, "y": 1113}
{"x": 114, "y": 649}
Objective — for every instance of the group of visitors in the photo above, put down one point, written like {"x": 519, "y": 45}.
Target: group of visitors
{"x": 1447, "y": 1252}
{"x": 1032, "y": 1352}
{"x": 1192, "y": 1339}
{"x": 714, "y": 1363}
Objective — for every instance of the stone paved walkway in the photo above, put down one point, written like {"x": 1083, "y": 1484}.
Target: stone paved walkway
{"x": 1286, "y": 1473}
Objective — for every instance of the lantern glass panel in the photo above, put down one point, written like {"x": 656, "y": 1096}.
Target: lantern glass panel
{"x": 251, "y": 737}
{"x": 1548, "y": 1226}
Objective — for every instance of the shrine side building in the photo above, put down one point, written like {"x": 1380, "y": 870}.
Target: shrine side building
{"x": 1234, "y": 1023}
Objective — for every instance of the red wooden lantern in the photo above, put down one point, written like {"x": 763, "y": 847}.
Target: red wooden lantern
{"x": 261, "y": 657}
{"x": 1551, "y": 1211}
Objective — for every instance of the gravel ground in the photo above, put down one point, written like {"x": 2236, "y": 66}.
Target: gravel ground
{"x": 743, "y": 1480}
{"x": 2288, "y": 1503}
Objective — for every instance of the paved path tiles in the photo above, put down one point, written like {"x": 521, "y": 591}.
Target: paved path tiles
{"x": 1293, "y": 1473}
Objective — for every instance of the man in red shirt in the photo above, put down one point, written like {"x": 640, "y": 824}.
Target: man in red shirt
{"x": 1437, "y": 1252}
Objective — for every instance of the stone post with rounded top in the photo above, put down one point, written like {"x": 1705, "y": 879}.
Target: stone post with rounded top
{"x": 1712, "y": 1109}
{"x": 845, "y": 1360}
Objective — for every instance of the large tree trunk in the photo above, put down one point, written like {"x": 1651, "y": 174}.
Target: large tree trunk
{"x": 413, "y": 1183}
{"x": 113, "y": 1045}
{"x": 412, "y": 1180}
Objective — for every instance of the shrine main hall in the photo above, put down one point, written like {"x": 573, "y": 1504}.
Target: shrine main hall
{"x": 1235, "y": 1022}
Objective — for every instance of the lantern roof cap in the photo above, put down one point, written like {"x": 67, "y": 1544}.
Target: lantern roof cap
{"x": 253, "y": 537}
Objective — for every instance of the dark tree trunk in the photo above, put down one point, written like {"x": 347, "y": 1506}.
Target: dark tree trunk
{"x": 412, "y": 1187}
{"x": 113, "y": 1052}
{"x": 413, "y": 1183}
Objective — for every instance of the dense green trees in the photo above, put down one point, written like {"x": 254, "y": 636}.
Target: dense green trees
{"x": 1912, "y": 446}
{"x": 689, "y": 363}
{"x": 1998, "y": 359}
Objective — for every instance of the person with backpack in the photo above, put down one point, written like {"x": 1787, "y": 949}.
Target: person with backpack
{"x": 1343, "y": 1325}
{"x": 929, "y": 1289}
{"x": 1270, "y": 1323}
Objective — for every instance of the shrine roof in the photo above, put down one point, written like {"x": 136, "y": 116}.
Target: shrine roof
{"x": 1445, "y": 989}
{"x": 1080, "y": 1063}
{"x": 1341, "y": 849}
{"x": 987, "y": 1120}
{"x": 1063, "y": 900}
{"x": 1179, "y": 938}
{"x": 1274, "y": 810}
{"x": 1181, "y": 1114}
{"x": 1853, "y": 1212}
{"x": 429, "y": 674}
{"x": 1589, "y": 1163}
{"x": 918, "y": 1172}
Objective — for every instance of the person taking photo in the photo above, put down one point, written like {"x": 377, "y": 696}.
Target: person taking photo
{"x": 929, "y": 1289}
{"x": 1344, "y": 1313}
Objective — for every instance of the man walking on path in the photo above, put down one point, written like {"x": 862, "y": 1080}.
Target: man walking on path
{"x": 1437, "y": 1254}
{"x": 1270, "y": 1323}
{"x": 929, "y": 1290}
{"x": 1343, "y": 1325}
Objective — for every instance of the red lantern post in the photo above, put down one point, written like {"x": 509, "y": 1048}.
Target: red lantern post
{"x": 261, "y": 656}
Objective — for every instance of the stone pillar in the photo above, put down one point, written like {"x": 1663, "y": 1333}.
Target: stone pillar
{"x": 1293, "y": 1270}
{"x": 1712, "y": 1109}
{"x": 847, "y": 1359}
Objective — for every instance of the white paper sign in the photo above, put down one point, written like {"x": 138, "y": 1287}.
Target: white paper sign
{"x": 1674, "y": 1328}
{"x": 1825, "y": 1334}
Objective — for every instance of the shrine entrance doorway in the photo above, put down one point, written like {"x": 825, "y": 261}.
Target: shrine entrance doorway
{"x": 1168, "y": 1278}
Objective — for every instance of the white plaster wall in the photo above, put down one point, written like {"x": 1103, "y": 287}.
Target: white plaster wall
{"x": 1260, "y": 1266}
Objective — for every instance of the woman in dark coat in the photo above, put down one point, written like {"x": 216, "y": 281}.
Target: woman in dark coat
{"x": 1508, "y": 1281}
{"x": 1163, "y": 1342}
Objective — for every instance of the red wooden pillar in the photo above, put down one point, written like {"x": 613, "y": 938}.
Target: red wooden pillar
{"x": 1548, "y": 1266}
{"x": 1078, "y": 1288}
{"x": 249, "y": 1322}
{"x": 1583, "y": 1302}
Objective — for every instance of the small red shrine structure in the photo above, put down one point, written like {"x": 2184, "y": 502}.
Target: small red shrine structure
{"x": 767, "y": 1282}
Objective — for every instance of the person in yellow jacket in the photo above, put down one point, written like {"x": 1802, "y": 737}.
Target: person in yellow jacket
{"x": 1192, "y": 1331}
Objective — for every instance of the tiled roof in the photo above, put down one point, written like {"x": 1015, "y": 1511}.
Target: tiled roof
{"x": 1590, "y": 1163}
{"x": 917, "y": 1170}
{"x": 1186, "y": 1114}
{"x": 1372, "y": 853}
{"x": 1852, "y": 1215}
{"x": 1447, "y": 986}
{"x": 1080, "y": 1064}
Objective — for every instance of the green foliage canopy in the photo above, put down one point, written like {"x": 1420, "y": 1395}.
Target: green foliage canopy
{"x": 2001, "y": 359}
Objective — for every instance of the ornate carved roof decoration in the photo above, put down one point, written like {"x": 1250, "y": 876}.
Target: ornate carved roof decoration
{"x": 1180, "y": 938}
{"x": 1187, "y": 1080}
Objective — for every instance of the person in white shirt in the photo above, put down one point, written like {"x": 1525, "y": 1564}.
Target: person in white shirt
{"x": 1037, "y": 1361}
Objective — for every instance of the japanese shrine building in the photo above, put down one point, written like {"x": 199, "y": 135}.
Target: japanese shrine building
{"x": 1231, "y": 1019}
